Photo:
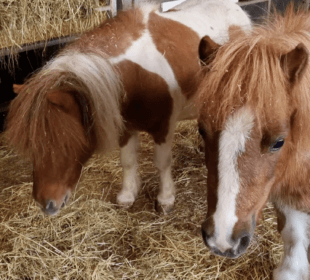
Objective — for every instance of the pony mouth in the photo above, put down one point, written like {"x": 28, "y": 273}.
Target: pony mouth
{"x": 235, "y": 252}
{"x": 228, "y": 254}
{"x": 51, "y": 208}
{"x": 232, "y": 253}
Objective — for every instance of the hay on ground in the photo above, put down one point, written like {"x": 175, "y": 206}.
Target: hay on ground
{"x": 23, "y": 21}
{"x": 92, "y": 239}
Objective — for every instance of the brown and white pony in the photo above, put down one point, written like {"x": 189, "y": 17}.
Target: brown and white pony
{"x": 135, "y": 72}
{"x": 255, "y": 121}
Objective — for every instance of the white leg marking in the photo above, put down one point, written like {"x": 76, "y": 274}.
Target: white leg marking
{"x": 294, "y": 265}
{"x": 131, "y": 181}
{"x": 163, "y": 158}
{"x": 231, "y": 145}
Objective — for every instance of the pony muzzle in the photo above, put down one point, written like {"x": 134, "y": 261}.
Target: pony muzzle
{"x": 51, "y": 207}
{"x": 232, "y": 247}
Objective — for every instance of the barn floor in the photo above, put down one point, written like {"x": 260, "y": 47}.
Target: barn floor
{"x": 91, "y": 238}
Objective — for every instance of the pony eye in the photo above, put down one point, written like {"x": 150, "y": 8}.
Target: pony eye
{"x": 277, "y": 145}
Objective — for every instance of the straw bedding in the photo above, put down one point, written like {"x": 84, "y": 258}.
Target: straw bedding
{"x": 29, "y": 21}
{"x": 91, "y": 238}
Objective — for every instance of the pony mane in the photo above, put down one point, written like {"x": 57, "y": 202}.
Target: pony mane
{"x": 36, "y": 126}
{"x": 247, "y": 71}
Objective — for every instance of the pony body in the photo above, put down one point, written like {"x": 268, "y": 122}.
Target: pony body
{"x": 135, "y": 72}
{"x": 254, "y": 118}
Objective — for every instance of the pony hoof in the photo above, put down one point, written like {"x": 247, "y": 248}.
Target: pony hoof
{"x": 163, "y": 208}
{"x": 124, "y": 205}
{"x": 125, "y": 200}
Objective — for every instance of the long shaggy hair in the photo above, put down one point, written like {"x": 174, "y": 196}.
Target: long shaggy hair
{"x": 247, "y": 70}
{"x": 36, "y": 126}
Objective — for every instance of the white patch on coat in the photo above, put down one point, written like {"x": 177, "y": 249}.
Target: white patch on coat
{"x": 294, "y": 265}
{"x": 144, "y": 53}
{"x": 210, "y": 17}
{"x": 231, "y": 145}
{"x": 155, "y": 62}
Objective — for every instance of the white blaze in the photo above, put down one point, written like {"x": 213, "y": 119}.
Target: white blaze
{"x": 231, "y": 145}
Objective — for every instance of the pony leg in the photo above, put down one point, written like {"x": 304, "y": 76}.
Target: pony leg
{"x": 163, "y": 159}
{"x": 131, "y": 180}
{"x": 293, "y": 226}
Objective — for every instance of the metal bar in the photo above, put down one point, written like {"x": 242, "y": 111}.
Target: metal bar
{"x": 38, "y": 45}
{"x": 135, "y": 3}
{"x": 269, "y": 7}
{"x": 102, "y": 9}
{"x": 113, "y": 5}
{"x": 252, "y": 2}
{"x": 127, "y": 4}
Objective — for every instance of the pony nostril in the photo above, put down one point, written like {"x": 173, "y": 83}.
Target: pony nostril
{"x": 207, "y": 230}
{"x": 205, "y": 236}
{"x": 244, "y": 243}
{"x": 65, "y": 201}
{"x": 51, "y": 207}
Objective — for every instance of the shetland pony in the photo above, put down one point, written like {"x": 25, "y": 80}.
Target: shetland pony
{"x": 135, "y": 72}
{"x": 255, "y": 121}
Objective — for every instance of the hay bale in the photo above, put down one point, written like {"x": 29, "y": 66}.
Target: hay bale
{"x": 92, "y": 239}
{"x": 23, "y": 21}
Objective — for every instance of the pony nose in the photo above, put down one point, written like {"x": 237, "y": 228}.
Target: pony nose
{"x": 243, "y": 243}
{"x": 51, "y": 208}
{"x": 237, "y": 246}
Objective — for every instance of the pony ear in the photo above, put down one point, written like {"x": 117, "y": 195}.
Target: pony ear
{"x": 18, "y": 88}
{"x": 207, "y": 49}
{"x": 62, "y": 99}
{"x": 294, "y": 63}
{"x": 66, "y": 102}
